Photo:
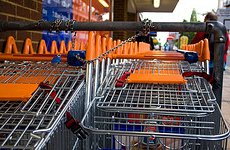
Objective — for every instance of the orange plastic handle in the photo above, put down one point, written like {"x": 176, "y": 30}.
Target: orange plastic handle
{"x": 115, "y": 44}
{"x": 103, "y": 44}
{"x": 90, "y": 52}
{"x": 69, "y": 46}
{"x": 28, "y": 47}
{"x": 54, "y": 49}
{"x": 198, "y": 49}
{"x": 62, "y": 49}
{"x": 109, "y": 46}
{"x": 131, "y": 48}
{"x": 30, "y": 57}
{"x": 42, "y": 49}
{"x": 98, "y": 45}
{"x": 82, "y": 46}
{"x": 140, "y": 47}
{"x": 136, "y": 49}
{"x": 119, "y": 50}
{"x": 125, "y": 49}
{"x": 11, "y": 46}
{"x": 206, "y": 52}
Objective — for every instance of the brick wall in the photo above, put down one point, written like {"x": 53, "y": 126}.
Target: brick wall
{"x": 121, "y": 14}
{"x": 20, "y": 10}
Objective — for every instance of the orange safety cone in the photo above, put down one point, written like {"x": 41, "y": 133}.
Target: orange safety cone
{"x": 11, "y": 46}
{"x": 28, "y": 47}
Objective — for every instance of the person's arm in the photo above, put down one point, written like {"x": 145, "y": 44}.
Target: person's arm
{"x": 226, "y": 48}
{"x": 198, "y": 37}
{"x": 227, "y": 42}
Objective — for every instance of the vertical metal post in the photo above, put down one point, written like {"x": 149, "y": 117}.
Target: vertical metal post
{"x": 207, "y": 66}
{"x": 111, "y": 14}
{"x": 89, "y": 75}
{"x": 220, "y": 39}
{"x": 88, "y": 96}
{"x": 108, "y": 65}
{"x": 90, "y": 10}
{"x": 97, "y": 71}
{"x": 102, "y": 70}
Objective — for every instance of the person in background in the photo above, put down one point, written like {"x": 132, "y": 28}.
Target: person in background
{"x": 210, "y": 16}
{"x": 147, "y": 38}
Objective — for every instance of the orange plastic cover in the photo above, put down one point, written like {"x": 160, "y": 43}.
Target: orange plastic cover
{"x": 28, "y": 80}
{"x": 156, "y": 78}
{"x": 159, "y": 71}
{"x": 17, "y": 92}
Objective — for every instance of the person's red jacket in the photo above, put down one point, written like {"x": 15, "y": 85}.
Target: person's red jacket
{"x": 201, "y": 35}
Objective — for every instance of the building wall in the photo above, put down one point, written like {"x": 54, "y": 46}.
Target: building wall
{"x": 31, "y": 10}
{"x": 121, "y": 14}
{"x": 20, "y": 10}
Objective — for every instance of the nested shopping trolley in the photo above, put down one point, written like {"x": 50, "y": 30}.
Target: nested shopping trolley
{"x": 129, "y": 104}
{"x": 38, "y": 103}
{"x": 155, "y": 100}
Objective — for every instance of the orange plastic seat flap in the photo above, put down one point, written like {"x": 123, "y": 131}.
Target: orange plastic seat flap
{"x": 156, "y": 77}
{"x": 17, "y": 92}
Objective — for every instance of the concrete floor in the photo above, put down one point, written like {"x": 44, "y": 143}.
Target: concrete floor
{"x": 225, "y": 108}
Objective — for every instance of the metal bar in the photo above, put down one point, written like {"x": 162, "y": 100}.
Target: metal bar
{"x": 102, "y": 70}
{"x": 216, "y": 27}
{"x": 103, "y": 26}
{"x": 220, "y": 39}
{"x": 89, "y": 90}
{"x": 97, "y": 76}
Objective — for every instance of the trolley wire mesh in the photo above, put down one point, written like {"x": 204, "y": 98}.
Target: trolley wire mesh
{"x": 152, "y": 115}
{"x": 194, "y": 97}
{"x": 131, "y": 126}
{"x": 32, "y": 125}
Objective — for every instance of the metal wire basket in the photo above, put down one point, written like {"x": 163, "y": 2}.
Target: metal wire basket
{"x": 40, "y": 122}
{"x": 195, "y": 97}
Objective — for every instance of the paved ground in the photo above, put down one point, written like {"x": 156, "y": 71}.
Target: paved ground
{"x": 226, "y": 96}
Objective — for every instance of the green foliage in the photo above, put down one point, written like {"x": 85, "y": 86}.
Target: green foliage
{"x": 193, "y": 18}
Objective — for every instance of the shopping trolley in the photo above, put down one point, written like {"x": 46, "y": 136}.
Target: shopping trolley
{"x": 139, "y": 106}
{"x": 135, "y": 130}
{"x": 154, "y": 116}
{"x": 194, "y": 97}
{"x": 138, "y": 129}
{"x": 38, "y": 120}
